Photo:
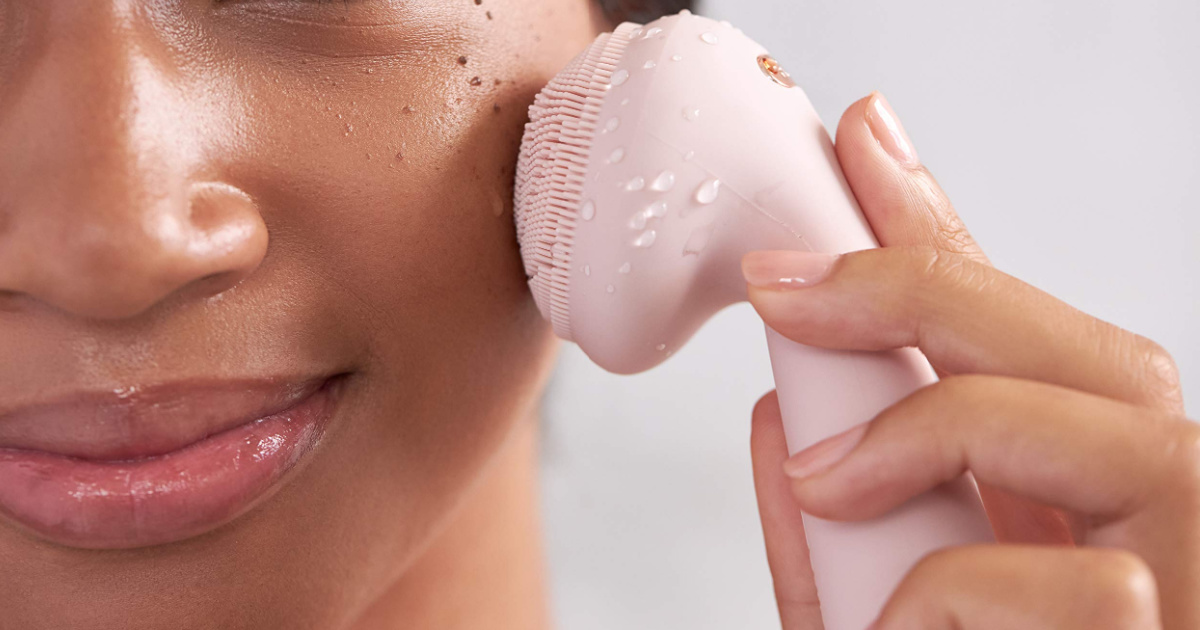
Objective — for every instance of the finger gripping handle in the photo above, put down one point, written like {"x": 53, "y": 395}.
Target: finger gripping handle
{"x": 857, "y": 565}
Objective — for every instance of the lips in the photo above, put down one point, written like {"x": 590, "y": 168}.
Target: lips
{"x": 136, "y": 468}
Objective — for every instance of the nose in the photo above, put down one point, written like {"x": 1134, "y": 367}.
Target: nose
{"x": 103, "y": 211}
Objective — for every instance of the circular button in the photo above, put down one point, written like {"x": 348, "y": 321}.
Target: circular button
{"x": 775, "y": 71}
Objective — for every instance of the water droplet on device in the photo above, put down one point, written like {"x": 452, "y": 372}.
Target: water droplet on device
{"x": 646, "y": 239}
{"x": 636, "y": 184}
{"x": 691, "y": 114}
{"x": 561, "y": 249}
{"x": 638, "y": 221}
{"x": 587, "y": 270}
{"x": 649, "y": 64}
{"x": 710, "y": 38}
{"x": 656, "y": 210}
{"x": 664, "y": 182}
{"x": 637, "y": 32}
{"x": 698, "y": 240}
{"x": 626, "y": 268}
{"x": 616, "y": 156}
{"x": 611, "y": 289}
{"x": 624, "y": 101}
{"x": 685, "y": 12}
{"x": 612, "y": 125}
{"x": 726, "y": 24}
{"x": 687, "y": 157}
{"x": 652, "y": 32}
{"x": 660, "y": 347}
{"x": 676, "y": 57}
{"x": 588, "y": 211}
{"x": 708, "y": 191}
{"x": 619, "y": 78}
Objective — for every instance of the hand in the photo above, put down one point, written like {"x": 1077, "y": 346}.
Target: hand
{"x": 1073, "y": 427}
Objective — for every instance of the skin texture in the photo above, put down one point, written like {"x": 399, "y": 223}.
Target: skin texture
{"x": 1073, "y": 427}
{"x": 198, "y": 190}
{"x": 194, "y": 190}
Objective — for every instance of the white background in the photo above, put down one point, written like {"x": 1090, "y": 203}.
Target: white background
{"x": 1066, "y": 132}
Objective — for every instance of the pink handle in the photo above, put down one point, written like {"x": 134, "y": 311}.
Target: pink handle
{"x": 857, "y": 565}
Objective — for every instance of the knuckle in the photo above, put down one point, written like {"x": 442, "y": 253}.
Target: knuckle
{"x": 1127, "y": 590}
{"x": 923, "y": 191}
{"x": 1161, "y": 374}
{"x": 1150, "y": 370}
{"x": 940, "y": 269}
{"x": 1185, "y": 456}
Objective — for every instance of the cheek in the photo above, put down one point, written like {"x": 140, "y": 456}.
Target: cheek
{"x": 387, "y": 195}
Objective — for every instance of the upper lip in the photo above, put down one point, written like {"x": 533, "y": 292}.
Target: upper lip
{"x": 137, "y": 422}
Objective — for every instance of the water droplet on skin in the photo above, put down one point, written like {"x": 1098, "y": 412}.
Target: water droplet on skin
{"x": 656, "y": 210}
{"x": 612, "y": 125}
{"x": 691, "y": 114}
{"x": 636, "y": 184}
{"x": 370, "y": 70}
{"x": 660, "y": 347}
{"x": 649, "y": 64}
{"x": 587, "y": 270}
{"x": 664, "y": 182}
{"x": 653, "y": 32}
{"x": 626, "y": 268}
{"x": 638, "y": 221}
{"x": 646, "y": 239}
{"x": 611, "y": 289}
{"x": 677, "y": 58}
{"x": 588, "y": 211}
{"x": 619, "y": 78}
{"x": 708, "y": 191}
{"x": 616, "y": 156}
{"x": 698, "y": 240}
{"x": 687, "y": 157}
{"x": 710, "y": 38}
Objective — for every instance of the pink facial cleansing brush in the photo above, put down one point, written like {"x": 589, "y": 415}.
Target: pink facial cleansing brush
{"x": 651, "y": 165}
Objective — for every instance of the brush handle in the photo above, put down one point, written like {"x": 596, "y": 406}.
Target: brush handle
{"x": 857, "y": 565}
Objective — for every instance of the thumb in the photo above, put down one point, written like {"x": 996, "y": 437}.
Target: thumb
{"x": 900, "y": 198}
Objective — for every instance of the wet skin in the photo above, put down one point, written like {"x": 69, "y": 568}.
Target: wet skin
{"x": 199, "y": 194}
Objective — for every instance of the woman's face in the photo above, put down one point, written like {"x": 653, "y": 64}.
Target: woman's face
{"x": 213, "y": 211}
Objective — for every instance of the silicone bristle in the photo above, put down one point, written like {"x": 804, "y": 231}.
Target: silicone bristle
{"x": 552, "y": 170}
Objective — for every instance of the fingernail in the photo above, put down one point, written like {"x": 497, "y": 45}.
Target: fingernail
{"x": 885, "y": 126}
{"x": 786, "y": 270}
{"x": 823, "y": 455}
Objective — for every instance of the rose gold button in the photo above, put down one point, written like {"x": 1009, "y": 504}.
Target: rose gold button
{"x": 772, "y": 69}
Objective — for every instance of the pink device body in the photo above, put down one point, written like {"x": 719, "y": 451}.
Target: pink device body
{"x": 651, "y": 165}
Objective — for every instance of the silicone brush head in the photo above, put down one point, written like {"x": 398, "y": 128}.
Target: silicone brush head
{"x": 650, "y": 165}
{"x": 555, "y": 154}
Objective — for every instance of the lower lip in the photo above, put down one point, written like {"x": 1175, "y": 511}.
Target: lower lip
{"x": 161, "y": 499}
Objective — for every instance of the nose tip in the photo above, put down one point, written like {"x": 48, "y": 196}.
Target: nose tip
{"x": 119, "y": 269}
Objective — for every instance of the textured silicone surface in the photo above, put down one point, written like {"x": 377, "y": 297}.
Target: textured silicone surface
{"x": 651, "y": 165}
